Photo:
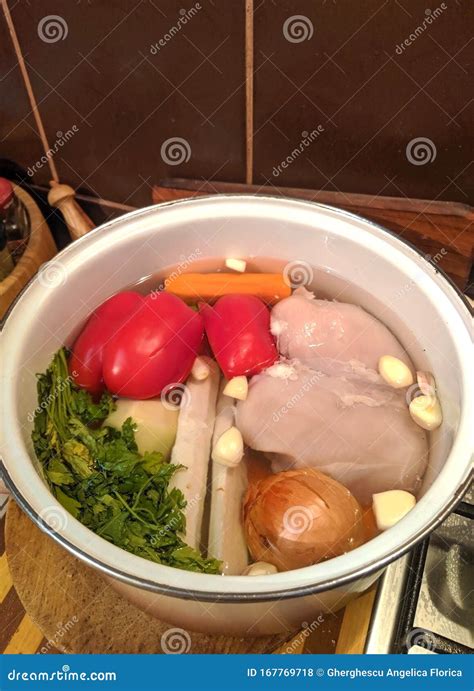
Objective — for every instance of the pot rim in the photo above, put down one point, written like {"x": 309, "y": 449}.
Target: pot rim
{"x": 367, "y": 568}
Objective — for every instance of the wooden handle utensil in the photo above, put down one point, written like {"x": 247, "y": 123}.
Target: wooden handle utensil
{"x": 62, "y": 197}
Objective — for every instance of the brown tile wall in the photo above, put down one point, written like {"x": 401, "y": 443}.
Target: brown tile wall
{"x": 341, "y": 71}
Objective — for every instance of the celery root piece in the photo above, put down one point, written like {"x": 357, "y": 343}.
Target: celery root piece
{"x": 192, "y": 447}
{"x": 226, "y": 533}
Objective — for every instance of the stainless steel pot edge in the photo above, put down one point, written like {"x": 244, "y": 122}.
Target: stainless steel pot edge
{"x": 171, "y": 591}
{"x": 238, "y": 597}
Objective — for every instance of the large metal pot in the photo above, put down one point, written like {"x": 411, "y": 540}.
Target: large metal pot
{"x": 388, "y": 277}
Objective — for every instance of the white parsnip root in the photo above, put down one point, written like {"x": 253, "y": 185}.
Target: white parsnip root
{"x": 226, "y": 534}
{"x": 192, "y": 447}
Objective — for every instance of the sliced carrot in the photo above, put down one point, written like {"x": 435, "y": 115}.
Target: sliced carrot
{"x": 194, "y": 287}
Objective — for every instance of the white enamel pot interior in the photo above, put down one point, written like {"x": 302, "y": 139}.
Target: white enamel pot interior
{"x": 389, "y": 278}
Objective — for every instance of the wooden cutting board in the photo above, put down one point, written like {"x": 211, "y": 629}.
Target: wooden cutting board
{"x": 61, "y": 605}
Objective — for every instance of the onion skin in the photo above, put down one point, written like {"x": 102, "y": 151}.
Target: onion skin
{"x": 297, "y": 518}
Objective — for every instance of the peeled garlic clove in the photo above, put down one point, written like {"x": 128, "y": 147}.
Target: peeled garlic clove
{"x": 395, "y": 372}
{"x": 390, "y": 507}
{"x": 237, "y": 387}
{"x": 200, "y": 369}
{"x": 236, "y": 264}
{"x": 260, "y": 568}
{"x": 426, "y": 383}
{"x": 426, "y": 412}
{"x": 229, "y": 448}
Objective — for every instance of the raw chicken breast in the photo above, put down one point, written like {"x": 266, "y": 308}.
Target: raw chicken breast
{"x": 317, "y": 332}
{"x": 347, "y": 425}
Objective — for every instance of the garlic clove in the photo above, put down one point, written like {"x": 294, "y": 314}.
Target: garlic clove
{"x": 236, "y": 265}
{"x": 426, "y": 383}
{"x": 395, "y": 372}
{"x": 229, "y": 448}
{"x": 260, "y": 568}
{"x": 237, "y": 387}
{"x": 391, "y": 506}
{"x": 426, "y": 411}
{"x": 200, "y": 370}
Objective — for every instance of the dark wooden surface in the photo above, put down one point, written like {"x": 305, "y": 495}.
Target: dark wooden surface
{"x": 443, "y": 231}
{"x": 348, "y": 77}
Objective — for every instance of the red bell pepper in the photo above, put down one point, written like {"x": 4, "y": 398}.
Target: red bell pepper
{"x": 155, "y": 348}
{"x": 238, "y": 329}
{"x": 86, "y": 361}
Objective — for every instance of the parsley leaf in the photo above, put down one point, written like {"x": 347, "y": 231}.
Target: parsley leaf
{"x": 98, "y": 475}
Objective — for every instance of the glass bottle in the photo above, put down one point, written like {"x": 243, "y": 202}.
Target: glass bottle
{"x": 14, "y": 220}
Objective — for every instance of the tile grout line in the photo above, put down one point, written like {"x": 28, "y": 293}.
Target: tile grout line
{"x": 249, "y": 89}
{"x": 29, "y": 89}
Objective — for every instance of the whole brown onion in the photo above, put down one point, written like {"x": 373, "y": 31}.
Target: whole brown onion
{"x": 300, "y": 517}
